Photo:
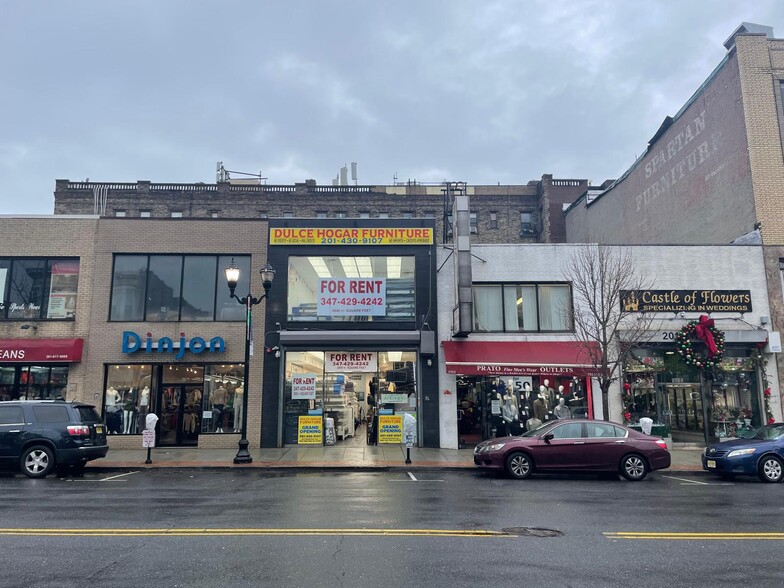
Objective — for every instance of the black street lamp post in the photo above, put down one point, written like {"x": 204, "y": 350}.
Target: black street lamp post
{"x": 232, "y": 277}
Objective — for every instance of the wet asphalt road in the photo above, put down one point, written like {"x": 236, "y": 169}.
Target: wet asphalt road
{"x": 242, "y": 530}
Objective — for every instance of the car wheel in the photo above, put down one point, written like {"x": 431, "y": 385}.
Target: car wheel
{"x": 633, "y": 467}
{"x": 519, "y": 465}
{"x": 37, "y": 461}
{"x": 770, "y": 469}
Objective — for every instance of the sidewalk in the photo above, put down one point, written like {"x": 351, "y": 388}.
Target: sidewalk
{"x": 351, "y": 458}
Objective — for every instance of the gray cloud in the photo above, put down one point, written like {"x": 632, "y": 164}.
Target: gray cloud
{"x": 497, "y": 91}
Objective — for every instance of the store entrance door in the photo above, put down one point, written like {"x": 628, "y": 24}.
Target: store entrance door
{"x": 683, "y": 411}
{"x": 180, "y": 416}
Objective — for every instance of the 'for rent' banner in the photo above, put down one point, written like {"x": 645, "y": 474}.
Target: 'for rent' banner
{"x": 352, "y": 297}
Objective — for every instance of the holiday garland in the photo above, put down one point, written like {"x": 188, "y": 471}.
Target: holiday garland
{"x": 759, "y": 359}
{"x": 713, "y": 338}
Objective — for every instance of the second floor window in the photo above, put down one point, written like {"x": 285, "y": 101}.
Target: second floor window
{"x": 35, "y": 288}
{"x": 474, "y": 227}
{"x": 522, "y": 307}
{"x": 176, "y": 288}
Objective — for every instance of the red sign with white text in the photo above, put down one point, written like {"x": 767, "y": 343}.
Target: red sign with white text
{"x": 40, "y": 350}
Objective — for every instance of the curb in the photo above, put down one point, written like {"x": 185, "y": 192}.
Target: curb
{"x": 326, "y": 468}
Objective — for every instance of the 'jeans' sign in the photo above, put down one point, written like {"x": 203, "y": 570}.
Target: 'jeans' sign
{"x": 133, "y": 342}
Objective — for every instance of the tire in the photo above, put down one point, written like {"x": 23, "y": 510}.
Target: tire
{"x": 519, "y": 465}
{"x": 770, "y": 469}
{"x": 37, "y": 461}
{"x": 634, "y": 467}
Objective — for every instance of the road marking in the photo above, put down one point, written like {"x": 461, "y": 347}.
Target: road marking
{"x": 410, "y": 475}
{"x": 773, "y": 536}
{"x": 689, "y": 481}
{"x": 117, "y": 476}
{"x": 252, "y": 532}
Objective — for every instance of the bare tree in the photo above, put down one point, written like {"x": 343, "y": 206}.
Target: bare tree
{"x": 599, "y": 275}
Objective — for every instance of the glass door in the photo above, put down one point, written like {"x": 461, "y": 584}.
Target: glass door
{"x": 180, "y": 415}
{"x": 683, "y": 411}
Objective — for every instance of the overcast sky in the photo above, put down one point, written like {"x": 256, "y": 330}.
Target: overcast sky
{"x": 480, "y": 91}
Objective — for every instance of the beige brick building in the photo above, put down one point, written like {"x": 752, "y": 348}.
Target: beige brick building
{"x": 182, "y": 263}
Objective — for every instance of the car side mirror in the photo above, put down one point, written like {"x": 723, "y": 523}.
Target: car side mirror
{"x": 548, "y": 437}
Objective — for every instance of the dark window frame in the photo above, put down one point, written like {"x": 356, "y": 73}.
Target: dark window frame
{"x": 219, "y": 275}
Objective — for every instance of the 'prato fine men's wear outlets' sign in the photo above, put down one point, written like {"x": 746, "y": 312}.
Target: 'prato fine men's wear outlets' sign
{"x": 350, "y": 236}
{"x": 352, "y": 297}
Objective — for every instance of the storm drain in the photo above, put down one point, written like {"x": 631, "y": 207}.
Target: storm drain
{"x": 532, "y": 532}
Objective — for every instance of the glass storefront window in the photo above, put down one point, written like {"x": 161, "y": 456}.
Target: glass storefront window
{"x": 128, "y": 398}
{"x": 327, "y": 288}
{"x": 694, "y": 406}
{"x": 349, "y": 390}
{"x": 224, "y": 389}
{"x": 33, "y": 382}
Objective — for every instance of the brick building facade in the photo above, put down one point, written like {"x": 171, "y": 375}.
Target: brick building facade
{"x": 503, "y": 214}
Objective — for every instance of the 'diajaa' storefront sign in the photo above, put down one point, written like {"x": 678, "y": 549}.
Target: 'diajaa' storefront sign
{"x": 686, "y": 300}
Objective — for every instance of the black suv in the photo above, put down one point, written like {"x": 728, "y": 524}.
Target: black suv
{"x": 38, "y": 435}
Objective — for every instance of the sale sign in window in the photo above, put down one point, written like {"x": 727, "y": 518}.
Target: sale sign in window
{"x": 352, "y": 297}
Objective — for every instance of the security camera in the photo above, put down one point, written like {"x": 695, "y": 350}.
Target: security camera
{"x": 682, "y": 314}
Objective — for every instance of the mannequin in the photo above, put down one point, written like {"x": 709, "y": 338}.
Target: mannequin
{"x": 532, "y": 423}
{"x": 540, "y": 407}
{"x": 112, "y": 396}
{"x": 114, "y": 422}
{"x": 561, "y": 411}
{"x": 129, "y": 408}
{"x": 511, "y": 416}
{"x": 549, "y": 392}
{"x": 543, "y": 397}
{"x": 560, "y": 392}
{"x": 218, "y": 398}
{"x": 144, "y": 400}
{"x": 239, "y": 394}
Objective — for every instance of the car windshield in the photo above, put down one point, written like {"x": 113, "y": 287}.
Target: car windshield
{"x": 768, "y": 433}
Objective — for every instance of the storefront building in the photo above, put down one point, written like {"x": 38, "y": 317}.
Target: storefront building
{"x": 165, "y": 336}
{"x": 521, "y": 346}
{"x": 664, "y": 378}
{"x": 350, "y": 342}
{"x": 45, "y": 277}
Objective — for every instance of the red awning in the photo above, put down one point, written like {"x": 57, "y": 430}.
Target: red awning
{"x": 40, "y": 350}
{"x": 518, "y": 358}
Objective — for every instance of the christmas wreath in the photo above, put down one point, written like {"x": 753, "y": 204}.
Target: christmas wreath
{"x": 704, "y": 330}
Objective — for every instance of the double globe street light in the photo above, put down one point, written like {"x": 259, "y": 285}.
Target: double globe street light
{"x": 232, "y": 277}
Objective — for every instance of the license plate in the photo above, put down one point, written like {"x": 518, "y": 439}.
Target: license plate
{"x": 711, "y": 463}
{"x": 99, "y": 429}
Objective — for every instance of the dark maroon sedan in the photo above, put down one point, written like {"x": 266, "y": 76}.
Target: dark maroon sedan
{"x": 575, "y": 445}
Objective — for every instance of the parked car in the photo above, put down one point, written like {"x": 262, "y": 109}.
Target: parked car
{"x": 760, "y": 454}
{"x": 576, "y": 446}
{"x": 37, "y": 436}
